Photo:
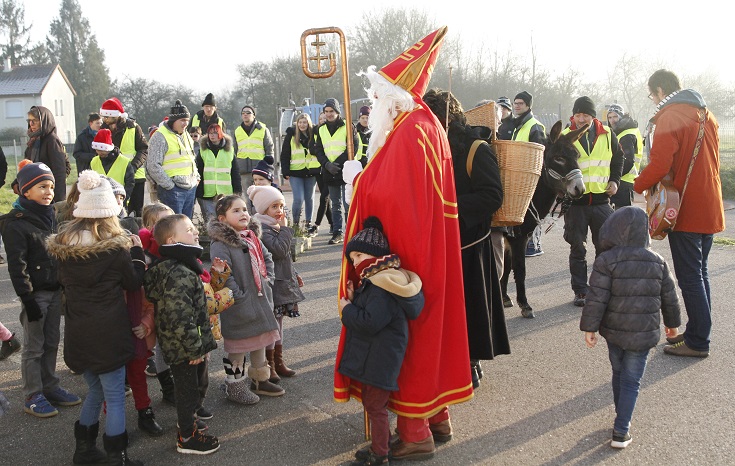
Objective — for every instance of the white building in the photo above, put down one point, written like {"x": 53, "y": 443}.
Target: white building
{"x": 22, "y": 87}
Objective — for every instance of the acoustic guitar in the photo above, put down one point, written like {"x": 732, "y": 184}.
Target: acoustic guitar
{"x": 662, "y": 206}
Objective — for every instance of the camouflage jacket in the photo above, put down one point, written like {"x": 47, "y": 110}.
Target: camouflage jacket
{"x": 182, "y": 324}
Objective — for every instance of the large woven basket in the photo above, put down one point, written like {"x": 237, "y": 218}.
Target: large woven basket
{"x": 484, "y": 115}
{"x": 520, "y": 168}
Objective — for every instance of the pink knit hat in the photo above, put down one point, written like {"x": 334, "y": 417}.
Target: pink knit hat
{"x": 264, "y": 196}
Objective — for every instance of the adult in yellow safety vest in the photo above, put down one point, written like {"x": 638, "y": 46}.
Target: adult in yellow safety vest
{"x": 629, "y": 136}
{"x": 601, "y": 161}
{"x": 217, "y": 169}
{"x": 364, "y": 136}
{"x": 170, "y": 163}
{"x": 108, "y": 162}
{"x": 128, "y": 136}
{"x": 253, "y": 143}
{"x": 207, "y": 116}
{"x": 331, "y": 150}
{"x": 301, "y": 168}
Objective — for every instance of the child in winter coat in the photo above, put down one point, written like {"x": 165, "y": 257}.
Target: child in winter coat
{"x": 630, "y": 286}
{"x": 249, "y": 325}
{"x": 182, "y": 324}
{"x": 35, "y": 280}
{"x": 97, "y": 261}
{"x": 375, "y": 316}
{"x": 278, "y": 237}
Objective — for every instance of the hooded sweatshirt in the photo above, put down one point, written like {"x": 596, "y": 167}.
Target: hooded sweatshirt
{"x": 46, "y": 147}
{"x": 629, "y": 285}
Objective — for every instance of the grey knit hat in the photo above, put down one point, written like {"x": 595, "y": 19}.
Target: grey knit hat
{"x": 370, "y": 240}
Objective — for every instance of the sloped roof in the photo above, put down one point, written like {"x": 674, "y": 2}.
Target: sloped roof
{"x": 28, "y": 79}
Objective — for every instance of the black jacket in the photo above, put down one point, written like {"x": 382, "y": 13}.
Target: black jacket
{"x": 377, "y": 327}
{"x": 141, "y": 144}
{"x": 286, "y": 156}
{"x": 29, "y": 265}
{"x": 629, "y": 142}
{"x": 331, "y": 178}
{"x": 83, "y": 152}
{"x": 630, "y": 285}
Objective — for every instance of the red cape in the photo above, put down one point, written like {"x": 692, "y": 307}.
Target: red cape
{"x": 409, "y": 185}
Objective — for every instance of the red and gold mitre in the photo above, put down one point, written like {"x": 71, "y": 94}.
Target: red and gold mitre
{"x": 412, "y": 69}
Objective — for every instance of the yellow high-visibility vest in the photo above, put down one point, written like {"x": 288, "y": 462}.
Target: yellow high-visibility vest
{"x": 301, "y": 157}
{"x": 524, "y": 132}
{"x": 127, "y": 149}
{"x": 630, "y": 176}
{"x": 217, "y": 170}
{"x": 195, "y": 123}
{"x": 179, "y": 159}
{"x": 596, "y": 165}
{"x": 117, "y": 170}
{"x": 334, "y": 144}
{"x": 250, "y": 147}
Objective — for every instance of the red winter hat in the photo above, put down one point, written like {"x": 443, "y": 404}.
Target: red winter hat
{"x": 412, "y": 69}
{"x": 112, "y": 107}
{"x": 103, "y": 140}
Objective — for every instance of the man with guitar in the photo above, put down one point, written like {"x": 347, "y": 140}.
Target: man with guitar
{"x": 685, "y": 145}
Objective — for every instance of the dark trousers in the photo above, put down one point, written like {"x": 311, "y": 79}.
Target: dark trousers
{"x": 135, "y": 371}
{"x": 577, "y": 220}
{"x": 135, "y": 203}
{"x": 624, "y": 196}
{"x": 324, "y": 207}
{"x": 375, "y": 402}
{"x": 188, "y": 396}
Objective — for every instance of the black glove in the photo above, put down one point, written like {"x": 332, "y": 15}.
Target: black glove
{"x": 33, "y": 311}
{"x": 333, "y": 168}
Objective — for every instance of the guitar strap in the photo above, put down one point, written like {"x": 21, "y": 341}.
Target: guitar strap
{"x": 697, "y": 146}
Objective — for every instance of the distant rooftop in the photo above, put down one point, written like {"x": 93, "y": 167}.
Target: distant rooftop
{"x": 28, "y": 79}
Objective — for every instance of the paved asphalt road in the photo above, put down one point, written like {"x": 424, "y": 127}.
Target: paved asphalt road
{"x": 549, "y": 402}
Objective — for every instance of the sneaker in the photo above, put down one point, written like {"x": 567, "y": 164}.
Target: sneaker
{"x": 676, "y": 339}
{"x": 312, "y": 231}
{"x": 201, "y": 425}
{"x": 532, "y": 251}
{"x": 203, "y": 413}
{"x": 336, "y": 238}
{"x": 62, "y": 398}
{"x": 38, "y": 406}
{"x": 579, "y": 299}
{"x": 197, "y": 444}
{"x": 681, "y": 349}
{"x": 9, "y": 347}
{"x": 621, "y": 440}
{"x": 150, "y": 368}
{"x": 128, "y": 390}
{"x": 365, "y": 457}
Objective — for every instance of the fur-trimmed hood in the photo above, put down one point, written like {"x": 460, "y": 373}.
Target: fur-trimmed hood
{"x": 220, "y": 231}
{"x": 205, "y": 143}
{"x": 85, "y": 249}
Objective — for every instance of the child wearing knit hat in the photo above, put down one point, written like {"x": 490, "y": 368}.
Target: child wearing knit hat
{"x": 109, "y": 163}
{"x": 278, "y": 237}
{"x": 375, "y": 316}
{"x": 25, "y": 230}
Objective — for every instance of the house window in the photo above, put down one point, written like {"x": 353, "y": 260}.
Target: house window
{"x": 61, "y": 107}
{"x": 14, "y": 109}
{"x": 56, "y": 107}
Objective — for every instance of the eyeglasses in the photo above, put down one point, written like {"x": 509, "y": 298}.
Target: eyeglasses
{"x": 247, "y": 112}
{"x": 650, "y": 96}
{"x": 31, "y": 121}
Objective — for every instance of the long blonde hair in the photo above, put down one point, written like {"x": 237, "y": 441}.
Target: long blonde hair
{"x": 100, "y": 228}
{"x": 298, "y": 133}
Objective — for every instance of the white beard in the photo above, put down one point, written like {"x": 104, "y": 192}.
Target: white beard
{"x": 390, "y": 101}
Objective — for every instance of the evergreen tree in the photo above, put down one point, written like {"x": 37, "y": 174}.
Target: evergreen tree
{"x": 71, "y": 42}
{"x": 16, "y": 42}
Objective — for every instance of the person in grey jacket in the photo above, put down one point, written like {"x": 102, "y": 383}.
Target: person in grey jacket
{"x": 630, "y": 286}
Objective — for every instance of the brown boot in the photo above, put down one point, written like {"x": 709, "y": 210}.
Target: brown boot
{"x": 442, "y": 431}
{"x": 274, "y": 375}
{"x": 422, "y": 450}
{"x": 281, "y": 368}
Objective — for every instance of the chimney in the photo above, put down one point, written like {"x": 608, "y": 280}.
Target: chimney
{"x": 8, "y": 66}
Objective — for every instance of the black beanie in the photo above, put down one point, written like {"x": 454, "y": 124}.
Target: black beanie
{"x": 370, "y": 240}
{"x": 209, "y": 100}
{"x": 584, "y": 105}
{"x": 524, "y": 96}
{"x": 178, "y": 111}
{"x": 265, "y": 168}
{"x": 332, "y": 103}
{"x": 30, "y": 174}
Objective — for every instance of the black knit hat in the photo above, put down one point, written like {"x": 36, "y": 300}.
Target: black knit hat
{"x": 370, "y": 240}
{"x": 209, "y": 100}
{"x": 178, "y": 111}
{"x": 584, "y": 105}
{"x": 265, "y": 168}
{"x": 30, "y": 174}
{"x": 525, "y": 96}
{"x": 332, "y": 103}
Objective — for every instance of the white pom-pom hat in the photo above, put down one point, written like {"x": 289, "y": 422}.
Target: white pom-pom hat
{"x": 96, "y": 199}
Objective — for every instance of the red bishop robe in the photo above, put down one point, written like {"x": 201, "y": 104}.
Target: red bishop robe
{"x": 409, "y": 185}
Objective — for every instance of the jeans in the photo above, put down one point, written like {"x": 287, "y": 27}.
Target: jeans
{"x": 109, "y": 388}
{"x": 690, "y": 252}
{"x": 627, "y": 371}
{"x": 337, "y": 200}
{"x": 41, "y": 344}
{"x": 303, "y": 193}
{"x": 576, "y": 221}
{"x": 180, "y": 200}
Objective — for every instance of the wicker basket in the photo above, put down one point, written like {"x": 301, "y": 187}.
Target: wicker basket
{"x": 484, "y": 115}
{"x": 520, "y": 168}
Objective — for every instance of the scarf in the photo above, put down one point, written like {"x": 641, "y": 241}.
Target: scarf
{"x": 187, "y": 254}
{"x": 367, "y": 269}
{"x": 44, "y": 212}
{"x": 267, "y": 220}
{"x": 257, "y": 261}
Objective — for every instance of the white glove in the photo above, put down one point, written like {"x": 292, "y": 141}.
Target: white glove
{"x": 350, "y": 170}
